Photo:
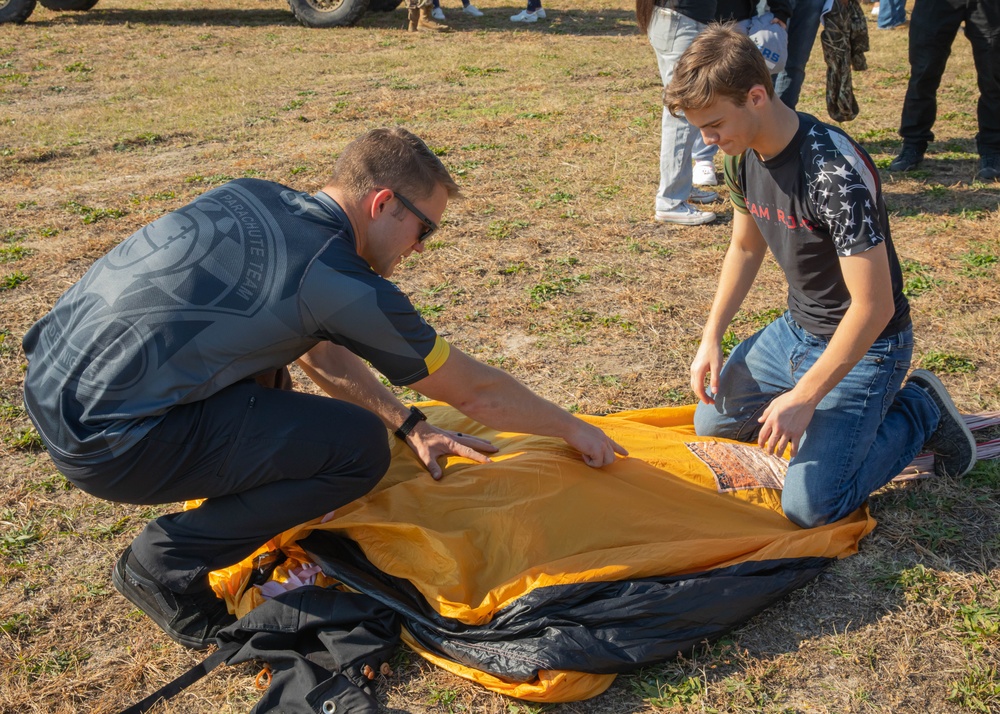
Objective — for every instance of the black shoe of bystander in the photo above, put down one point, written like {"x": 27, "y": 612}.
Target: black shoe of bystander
{"x": 989, "y": 168}
{"x": 909, "y": 158}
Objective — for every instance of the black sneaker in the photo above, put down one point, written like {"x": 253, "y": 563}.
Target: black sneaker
{"x": 989, "y": 168}
{"x": 953, "y": 445}
{"x": 192, "y": 620}
{"x": 909, "y": 158}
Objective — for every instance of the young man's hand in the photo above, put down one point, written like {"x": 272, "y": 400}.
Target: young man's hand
{"x": 784, "y": 421}
{"x": 707, "y": 362}
{"x": 430, "y": 443}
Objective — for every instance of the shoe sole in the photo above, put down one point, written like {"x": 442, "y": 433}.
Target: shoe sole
{"x": 923, "y": 375}
{"x": 693, "y": 221}
{"x": 702, "y": 200}
{"x": 118, "y": 580}
{"x": 908, "y": 167}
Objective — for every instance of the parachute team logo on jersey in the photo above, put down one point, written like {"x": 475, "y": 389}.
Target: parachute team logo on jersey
{"x": 216, "y": 255}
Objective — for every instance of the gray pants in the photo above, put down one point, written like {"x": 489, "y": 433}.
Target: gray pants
{"x": 266, "y": 459}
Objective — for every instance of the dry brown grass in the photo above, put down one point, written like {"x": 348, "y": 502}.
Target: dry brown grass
{"x": 550, "y": 268}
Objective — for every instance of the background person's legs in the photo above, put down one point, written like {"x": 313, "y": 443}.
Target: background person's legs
{"x": 982, "y": 27}
{"x": 933, "y": 26}
{"x": 670, "y": 33}
{"x": 891, "y": 13}
{"x": 802, "y": 28}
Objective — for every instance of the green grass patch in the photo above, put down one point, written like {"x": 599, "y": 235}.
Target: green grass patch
{"x": 10, "y": 253}
{"x": 25, "y": 440}
{"x": 503, "y": 229}
{"x": 978, "y": 624}
{"x": 18, "y": 539}
{"x": 729, "y": 342}
{"x": 53, "y": 663}
{"x": 947, "y": 363}
{"x": 12, "y": 280}
{"x": 549, "y": 289}
{"x": 660, "y": 690}
{"x": 93, "y": 215}
{"x": 977, "y": 690}
{"x": 473, "y": 71}
{"x": 976, "y": 264}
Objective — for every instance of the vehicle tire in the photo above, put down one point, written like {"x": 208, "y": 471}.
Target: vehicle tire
{"x": 16, "y": 11}
{"x": 384, "y": 5}
{"x": 61, "y": 5}
{"x": 328, "y": 13}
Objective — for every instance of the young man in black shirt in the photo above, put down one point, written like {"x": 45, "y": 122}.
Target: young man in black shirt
{"x": 825, "y": 378}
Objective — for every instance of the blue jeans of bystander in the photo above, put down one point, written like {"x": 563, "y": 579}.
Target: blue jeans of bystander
{"x": 864, "y": 431}
{"x": 802, "y": 28}
{"x": 670, "y": 33}
{"x": 891, "y": 13}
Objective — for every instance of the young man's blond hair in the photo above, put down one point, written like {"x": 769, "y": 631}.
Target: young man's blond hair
{"x": 722, "y": 62}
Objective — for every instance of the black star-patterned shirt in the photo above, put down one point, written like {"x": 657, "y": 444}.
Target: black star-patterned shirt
{"x": 241, "y": 281}
{"x": 818, "y": 200}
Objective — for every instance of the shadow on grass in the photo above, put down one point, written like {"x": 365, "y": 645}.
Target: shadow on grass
{"x": 971, "y": 200}
{"x": 560, "y": 22}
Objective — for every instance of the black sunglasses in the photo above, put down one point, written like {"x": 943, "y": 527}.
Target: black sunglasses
{"x": 429, "y": 225}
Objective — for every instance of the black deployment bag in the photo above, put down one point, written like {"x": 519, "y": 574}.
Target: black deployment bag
{"x": 321, "y": 645}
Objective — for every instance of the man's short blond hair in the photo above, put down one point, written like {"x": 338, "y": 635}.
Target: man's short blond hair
{"x": 721, "y": 63}
{"x": 391, "y": 158}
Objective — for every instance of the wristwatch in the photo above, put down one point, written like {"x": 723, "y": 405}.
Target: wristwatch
{"x": 411, "y": 421}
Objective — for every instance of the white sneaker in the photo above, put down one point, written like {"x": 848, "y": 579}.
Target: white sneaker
{"x": 540, "y": 13}
{"x": 437, "y": 13}
{"x": 686, "y": 215}
{"x": 875, "y": 10}
{"x": 472, "y": 10}
{"x": 699, "y": 196}
{"x": 524, "y": 16}
{"x": 704, "y": 174}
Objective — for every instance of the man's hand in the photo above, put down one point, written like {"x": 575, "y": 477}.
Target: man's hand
{"x": 784, "y": 421}
{"x": 430, "y": 443}
{"x": 707, "y": 362}
{"x": 597, "y": 448}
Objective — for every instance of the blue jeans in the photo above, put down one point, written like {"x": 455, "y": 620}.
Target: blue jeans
{"x": 864, "y": 432}
{"x": 891, "y": 13}
{"x": 670, "y": 33}
{"x": 700, "y": 151}
{"x": 802, "y": 28}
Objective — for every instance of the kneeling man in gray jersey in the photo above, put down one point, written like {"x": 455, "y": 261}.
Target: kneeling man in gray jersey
{"x": 157, "y": 377}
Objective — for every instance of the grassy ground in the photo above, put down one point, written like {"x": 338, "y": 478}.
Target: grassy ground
{"x": 551, "y": 268}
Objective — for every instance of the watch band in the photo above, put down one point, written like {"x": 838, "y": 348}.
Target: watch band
{"x": 411, "y": 421}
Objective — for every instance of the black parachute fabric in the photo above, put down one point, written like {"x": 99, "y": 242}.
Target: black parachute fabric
{"x": 597, "y": 628}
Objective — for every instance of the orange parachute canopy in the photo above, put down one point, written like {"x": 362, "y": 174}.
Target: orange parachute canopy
{"x": 536, "y": 522}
